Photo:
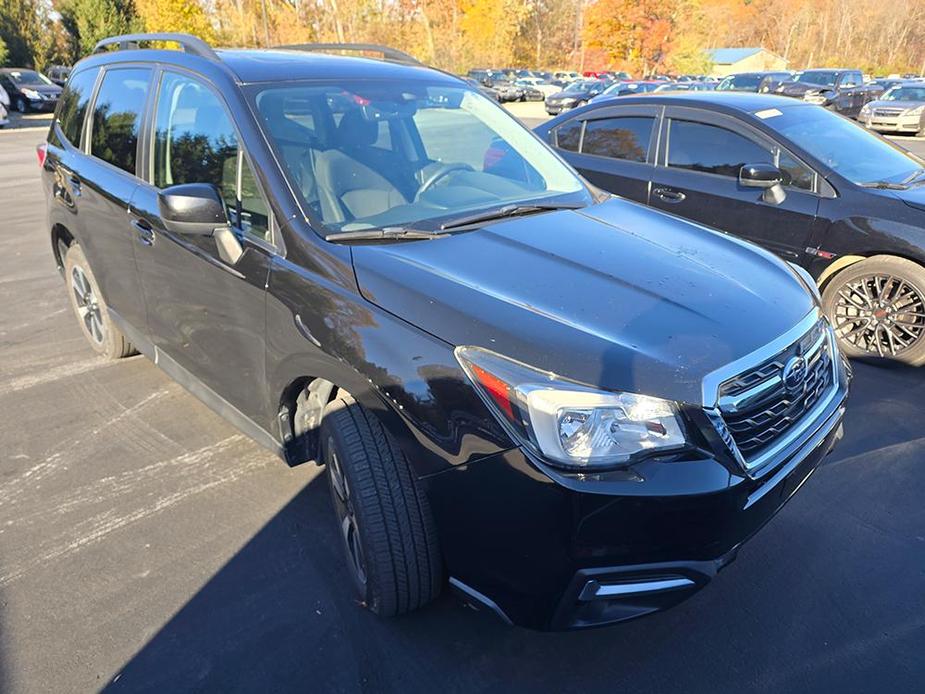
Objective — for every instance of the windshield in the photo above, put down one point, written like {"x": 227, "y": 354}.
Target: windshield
{"x": 843, "y": 145}
{"x": 374, "y": 154}
{"x": 28, "y": 77}
{"x": 582, "y": 86}
{"x": 905, "y": 94}
{"x": 739, "y": 82}
{"x": 823, "y": 79}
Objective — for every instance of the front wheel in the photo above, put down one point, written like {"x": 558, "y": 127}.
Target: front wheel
{"x": 877, "y": 307}
{"x": 383, "y": 517}
{"x": 21, "y": 105}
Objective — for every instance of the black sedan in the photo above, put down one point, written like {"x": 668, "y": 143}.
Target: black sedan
{"x": 576, "y": 94}
{"x": 29, "y": 90}
{"x": 814, "y": 187}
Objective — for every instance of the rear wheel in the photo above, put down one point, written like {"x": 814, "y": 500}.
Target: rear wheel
{"x": 383, "y": 517}
{"x": 877, "y": 307}
{"x": 90, "y": 308}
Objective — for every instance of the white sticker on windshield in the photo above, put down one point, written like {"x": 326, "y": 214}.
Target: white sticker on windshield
{"x": 768, "y": 113}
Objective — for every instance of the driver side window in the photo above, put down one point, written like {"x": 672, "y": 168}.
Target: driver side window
{"x": 195, "y": 142}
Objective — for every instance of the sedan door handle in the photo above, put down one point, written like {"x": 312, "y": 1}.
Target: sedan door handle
{"x": 75, "y": 185}
{"x": 145, "y": 232}
{"x": 669, "y": 195}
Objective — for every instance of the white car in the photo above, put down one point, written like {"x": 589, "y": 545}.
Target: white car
{"x": 4, "y": 105}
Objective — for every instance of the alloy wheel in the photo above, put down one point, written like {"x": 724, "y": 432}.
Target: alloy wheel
{"x": 346, "y": 515}
{"x": 880, "y": 314}
{"x": 88, "y": 307}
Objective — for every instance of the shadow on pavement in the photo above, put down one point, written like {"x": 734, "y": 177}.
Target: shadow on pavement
{"x": 829, "y": 597}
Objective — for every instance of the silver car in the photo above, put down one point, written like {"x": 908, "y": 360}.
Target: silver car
{"x": 900, "y": 109}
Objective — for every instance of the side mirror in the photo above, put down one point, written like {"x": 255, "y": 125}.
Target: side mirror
{"x": 196, "y": 209}
{"x": 767, "y": 177}
{"x": 760, "y": 176}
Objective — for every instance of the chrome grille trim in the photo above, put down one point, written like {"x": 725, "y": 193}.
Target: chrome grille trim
{"x": 731, "y": 390}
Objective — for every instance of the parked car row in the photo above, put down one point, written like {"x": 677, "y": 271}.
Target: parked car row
{"x": 571, "y": 408}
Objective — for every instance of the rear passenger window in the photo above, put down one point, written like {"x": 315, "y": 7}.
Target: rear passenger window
{"x": 568, "y": 136}
{"x": 117, "y": 116}
{"x": 618, "y": 138}
{"x": 74, "y": 102}
{"x": 195, "y": 142}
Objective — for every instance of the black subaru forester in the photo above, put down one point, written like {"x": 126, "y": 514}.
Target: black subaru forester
{"x": 570, "y": 407}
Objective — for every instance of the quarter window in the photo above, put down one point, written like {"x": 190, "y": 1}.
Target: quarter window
{"x": 195, "y": 142}
{"x": 618, "y": 138}
{"x": 568, "y": 136}
{"x": 715, "y": 150}
{"x": 117, "y": 116}
{"x": 74, "y": 102}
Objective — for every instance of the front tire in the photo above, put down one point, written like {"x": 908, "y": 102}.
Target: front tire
{"x": 90, "y": 308}
{"x": 21, "y": 105}
{"x": 383, "y": 516}
{"x": 877, "y": 307}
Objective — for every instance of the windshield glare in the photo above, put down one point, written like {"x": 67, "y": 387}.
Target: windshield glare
{"x": 378, "y": 154}
{"x": 28, "y": 77}
{"x": 823, "y": 79}
{"x": 845, "y": 146}
{"x": 905, "y": 94}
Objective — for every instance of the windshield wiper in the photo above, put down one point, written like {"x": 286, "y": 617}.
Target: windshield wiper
{"x": 505, "y": 212}
{"x": 884, "y": 185}
{"x": 388, "y": 234}
{"x": 913, "y": 177}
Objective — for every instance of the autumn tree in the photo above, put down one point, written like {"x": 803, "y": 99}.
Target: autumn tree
{"x": 89, "y": 21}
{"x": 175, "y": 16}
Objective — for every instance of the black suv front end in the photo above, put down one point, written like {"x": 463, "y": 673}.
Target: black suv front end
{"x": 556, "y": 550}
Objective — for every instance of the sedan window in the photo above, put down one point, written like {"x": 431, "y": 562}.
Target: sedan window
{"x": 619, "y": 138}
{"x": 715, "y": 150}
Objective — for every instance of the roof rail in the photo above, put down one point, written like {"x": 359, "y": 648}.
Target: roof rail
{"x": 391, "y": 54}
{"x": 190, "y": 44}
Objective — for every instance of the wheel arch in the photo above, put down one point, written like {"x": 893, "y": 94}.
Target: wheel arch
{"x": 61, "y": 240}
{"x": 844, "y": 262}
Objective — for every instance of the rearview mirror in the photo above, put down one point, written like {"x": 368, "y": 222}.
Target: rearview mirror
{"x": 192, "y": 208}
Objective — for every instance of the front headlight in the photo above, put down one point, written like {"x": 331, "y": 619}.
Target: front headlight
{"x": 568, "y": 424}
{"x": 917, "y": 111}
{"x": 31, "y": 94}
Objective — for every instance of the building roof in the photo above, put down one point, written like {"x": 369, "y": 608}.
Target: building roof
{"x": 728, "y": 56}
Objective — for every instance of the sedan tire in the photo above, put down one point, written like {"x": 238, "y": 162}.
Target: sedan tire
{"x": 877, "y": 307}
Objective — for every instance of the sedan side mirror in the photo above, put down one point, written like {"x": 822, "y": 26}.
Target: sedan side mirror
{"x": 196, "y": 209}
{"x": 766, "y": 176}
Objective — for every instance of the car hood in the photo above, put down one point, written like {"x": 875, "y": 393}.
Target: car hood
{"x": 904, "y": 105}
{"x": 567, "y": 95}
{"x": 800, "y": 88}
{"x": 914, "y": 197}
{"x": 41, "y": 88}
{"x": 617, "y": 295}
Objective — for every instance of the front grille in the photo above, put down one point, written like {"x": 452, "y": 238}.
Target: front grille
{"x": 761, "y": 404}
{"x": 887, "y": 112}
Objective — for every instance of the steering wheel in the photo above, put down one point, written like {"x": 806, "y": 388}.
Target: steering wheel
{"x": 439, "y": 171}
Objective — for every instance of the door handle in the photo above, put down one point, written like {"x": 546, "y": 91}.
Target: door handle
{"x": 669, "y": 195}
{"x": 75, "y": 185}
{"x": 145, "y": 232}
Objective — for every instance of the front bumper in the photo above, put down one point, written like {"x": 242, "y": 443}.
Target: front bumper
{"x": 45, "y": 105}
{"x": 547, "y": 551}
{"x": 555, "y": 109}
{"x": 899, "y": 124}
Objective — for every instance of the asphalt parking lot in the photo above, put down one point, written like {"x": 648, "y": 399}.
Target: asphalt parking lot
{"x": 145, "y": 545}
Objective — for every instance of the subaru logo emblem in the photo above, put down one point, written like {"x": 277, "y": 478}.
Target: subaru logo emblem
{"x": 794, "y": 374}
